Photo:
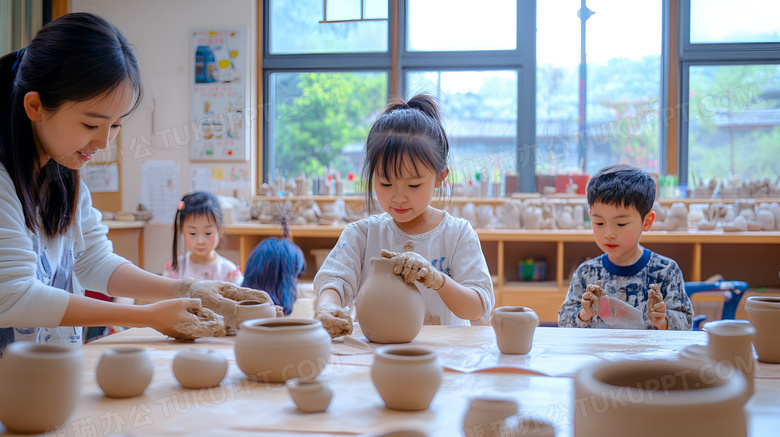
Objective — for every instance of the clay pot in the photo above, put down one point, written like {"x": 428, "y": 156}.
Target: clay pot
{"x": 124, "y": 372}
{"x": 248, "y": 310}
{"x": 407, "y": 377}
{"x": 657, "y": 397}
{"x": 275, "y": 350}
{"x": 764, "y": 315}
{"x": 389, "y": 309}
{"x": 514, "y": 327}
{"x": 490, "y": 417}
{"x": 730, "y": 341}
{"x": 310, "y": 395}
{"x": 39, "y": 385}
{"x": 766, "y": 218}
{"x": 199, "y": 368}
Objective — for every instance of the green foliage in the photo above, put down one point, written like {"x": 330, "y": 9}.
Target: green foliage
{"x": 318, "y": 114}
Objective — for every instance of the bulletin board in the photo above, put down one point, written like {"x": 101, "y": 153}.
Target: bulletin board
{"x": 219, "y": 94}
{"x": 103, "y": 176}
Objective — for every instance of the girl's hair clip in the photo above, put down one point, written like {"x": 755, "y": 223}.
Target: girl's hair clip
{"x": 181, "y": 205}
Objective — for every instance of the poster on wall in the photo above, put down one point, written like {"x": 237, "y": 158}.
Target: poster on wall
{"x": 220, "y": 94}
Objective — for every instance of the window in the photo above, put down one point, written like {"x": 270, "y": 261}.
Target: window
{"x": 615, "y": 118}
{"x": 507, "y": 72}
{"x": 480, "y": 118}
{"x": 298, "y": 26}
{"x": 730, "y": 70}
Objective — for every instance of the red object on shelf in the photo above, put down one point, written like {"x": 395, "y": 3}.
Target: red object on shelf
{"x": 563, "y": 181}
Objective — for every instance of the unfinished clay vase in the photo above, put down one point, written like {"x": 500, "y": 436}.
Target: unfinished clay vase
{"x": 124, "y": 372}
{"x": 309, "y": 395}
{"x": 389, "y": 309}
{"x": 490, "y": 417}
{"x": 730, "y": 341}
{"x": 39, "y": 386}
{"x": 514, "y": 327}
{"x": 275, "y": 350}
{"x": 407, "y": 377}
{"x": 199, "y": 368}
{"x": 657, "y": 397}
{"x": 764, "y": 315}
{"x": 248, "y": 310}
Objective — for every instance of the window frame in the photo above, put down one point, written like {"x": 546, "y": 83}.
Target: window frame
{"x": 710, "y": 54}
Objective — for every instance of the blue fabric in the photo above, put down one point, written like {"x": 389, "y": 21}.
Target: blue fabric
{"x": 6, "y": 338}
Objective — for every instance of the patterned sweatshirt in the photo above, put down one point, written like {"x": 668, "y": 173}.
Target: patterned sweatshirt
{"x": 629, "y": 284}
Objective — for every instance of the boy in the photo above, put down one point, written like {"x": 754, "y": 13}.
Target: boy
{"x": 620, "y": 199}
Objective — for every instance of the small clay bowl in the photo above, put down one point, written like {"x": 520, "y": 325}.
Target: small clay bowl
{"x": 310, "y": 395}
{"x": 124, "y": 372}
{"x": 199, "y": 368}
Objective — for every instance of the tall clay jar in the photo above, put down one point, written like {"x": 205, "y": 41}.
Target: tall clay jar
{"x": 652, "y": 398}
{"x": 514, "y": 327}
{"x": 39, "y": 386}
{"x": 730, "y": 341}
{"x": 764, "y": 315}
{"x": 124, "y": 372}
{"x": 407, "y": 377}
{"x": 275, "y": 350}
{"x": 490, "y": 417}
{"x": 388, "y": 309}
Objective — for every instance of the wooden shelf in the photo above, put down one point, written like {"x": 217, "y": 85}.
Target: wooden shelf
{"x": 746, "y": 256}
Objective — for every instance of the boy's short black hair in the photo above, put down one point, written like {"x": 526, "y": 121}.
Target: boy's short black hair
{"x": 622, "y": 185}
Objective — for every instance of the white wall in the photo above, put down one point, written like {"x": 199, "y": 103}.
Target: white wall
{"x": 159, "y": 31}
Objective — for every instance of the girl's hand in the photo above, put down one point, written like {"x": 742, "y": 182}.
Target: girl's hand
{"x": 335, "y": 319}
{"x": 413, "y": 267}
{"x": 184, "y": 319}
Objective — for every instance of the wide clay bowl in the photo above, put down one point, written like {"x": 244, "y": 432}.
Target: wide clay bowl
{"x": 657, "y": 397}
{"x": 199, "y": 368}
{"x": 277, "y": 349}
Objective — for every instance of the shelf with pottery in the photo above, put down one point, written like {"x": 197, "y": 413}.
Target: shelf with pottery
{"x": 747, "y": 256}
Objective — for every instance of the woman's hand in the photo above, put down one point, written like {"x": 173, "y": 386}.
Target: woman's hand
{"x": 184, "y": 319}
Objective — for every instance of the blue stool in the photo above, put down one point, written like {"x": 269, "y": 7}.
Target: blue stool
{"x": 732, "y": 291}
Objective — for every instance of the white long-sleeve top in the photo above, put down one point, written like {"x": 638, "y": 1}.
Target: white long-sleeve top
{"x": 37, "y": 273}
{"x": 452, "y": 247}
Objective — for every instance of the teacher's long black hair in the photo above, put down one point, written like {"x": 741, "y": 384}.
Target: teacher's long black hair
{"x": 74, "y": 58}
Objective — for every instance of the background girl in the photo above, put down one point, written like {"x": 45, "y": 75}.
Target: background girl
{"x": 406, "y": 161}
{"x": 199, "y": 218}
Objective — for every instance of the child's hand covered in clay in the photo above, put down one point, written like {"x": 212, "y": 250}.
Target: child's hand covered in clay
{"x": 335, "y": 319}
{"x": 590, "y": 301}
{"x": 656, "y": 308}
{"x": 413, "y": 267}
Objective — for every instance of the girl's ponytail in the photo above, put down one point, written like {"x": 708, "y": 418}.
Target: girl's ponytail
{"x": 427, "y": 104}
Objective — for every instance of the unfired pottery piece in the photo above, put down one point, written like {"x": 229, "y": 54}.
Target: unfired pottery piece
{"x": 730, "y": 341}
{"x": 199, "y": 368}
{"x": 677, "y": 218}
{"x": 514, "y": 327}
{"x": 248, "y": 310}
{"x": 309, "y": 395}
{"x": 490, "y": 417}
{"x": 275, "y": 350}
{"x": 389, "y": 309}
{"x": 654, "y": 398}
{"x": 407, "y": 377}
{"x": 124, "y": 372}
{"x": 764, "y": 314}
{"x": 39, "y": 385}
